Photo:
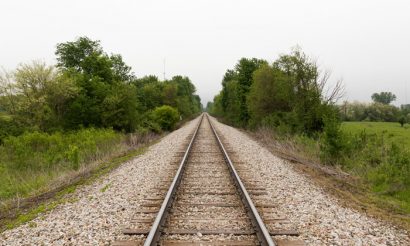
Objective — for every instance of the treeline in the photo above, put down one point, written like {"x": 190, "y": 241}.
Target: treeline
{"x": 287, "y": 94}
{"x": 288, "y": 101}
{"x": 376, "y": 111}
{"x": 90, "y": 88}
{"x": 57, "y": 120}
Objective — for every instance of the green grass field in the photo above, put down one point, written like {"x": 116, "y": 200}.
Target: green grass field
{"x": 383, "y": 166}
{"x": 392, "y": 131}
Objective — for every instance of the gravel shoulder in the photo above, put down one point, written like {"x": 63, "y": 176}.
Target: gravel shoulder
{"x": 309, "y": 208}
{"x": 101, "y": 210}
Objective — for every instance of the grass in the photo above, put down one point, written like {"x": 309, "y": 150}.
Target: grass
{"x": 392, "y": 130}
{"x": 383, "y": 161}
{"x": 22, "y": 216}
{"x": 105, "y": 188}
{"x": 31, "y": 162}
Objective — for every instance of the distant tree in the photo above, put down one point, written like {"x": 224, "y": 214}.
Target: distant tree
{"x": 402, "y": 120}
{"x": 7, "y": 92}
{"x": 215, "y": 108}
{"x": 382, "y": 112}
{"x": 383, "y": 97}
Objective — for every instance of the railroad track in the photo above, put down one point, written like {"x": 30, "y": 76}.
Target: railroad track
{"x": 206, "y": 202}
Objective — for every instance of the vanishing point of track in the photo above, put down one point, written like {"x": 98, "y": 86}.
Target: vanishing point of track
{"x": 206, "y": 200}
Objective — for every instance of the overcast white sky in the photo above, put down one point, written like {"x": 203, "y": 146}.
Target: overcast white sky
{"x": 367, "y": 42}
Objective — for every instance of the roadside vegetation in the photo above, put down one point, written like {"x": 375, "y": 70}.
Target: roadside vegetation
{"x": 57, "y": 120}
{"x": 292, "y": 101}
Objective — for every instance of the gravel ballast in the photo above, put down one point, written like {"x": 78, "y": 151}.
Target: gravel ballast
{"x": 316, "y": 214}
{"x": 103, "y": 209}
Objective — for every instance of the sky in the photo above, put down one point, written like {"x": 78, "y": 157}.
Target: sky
{"x": 366, "y": 43}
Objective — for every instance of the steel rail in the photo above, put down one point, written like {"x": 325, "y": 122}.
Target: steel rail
{"x": 260, "y": 228}
{"x": 155, "y": 232}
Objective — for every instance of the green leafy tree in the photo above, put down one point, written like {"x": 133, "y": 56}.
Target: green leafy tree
{"x": 105, "y": 98}
{"x": 215, "y": 108}
{"x": 383, "y": 97}
{"x": 270, "y": 92}
{"x": 382, "y": 112}
{"x": 235, "y": 89}
{"x": 245, "y": 69}
{"x": 402, "y": 120}
{"x": 166, "y": 116}
{"x": 149, "y": 92}
{"x": 307, "y": 87}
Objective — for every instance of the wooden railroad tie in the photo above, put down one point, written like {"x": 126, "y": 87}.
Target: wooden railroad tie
{"x": 138, "y": 231}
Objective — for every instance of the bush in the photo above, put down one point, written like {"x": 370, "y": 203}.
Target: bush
{"x": 9, "y": 127}
{"x": 166, "y": 117}
{"x": 334, "y": 142}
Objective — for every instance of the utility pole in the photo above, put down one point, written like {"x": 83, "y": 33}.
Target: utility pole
{"x": 164, "y": 69}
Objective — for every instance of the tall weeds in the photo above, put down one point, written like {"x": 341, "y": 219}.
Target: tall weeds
{"x": 32, "y": 160}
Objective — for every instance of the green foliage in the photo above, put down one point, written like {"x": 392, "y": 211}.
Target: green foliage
{"x": 383, "y": 97}
{"x": 56, "y": 120}
{"x": 215, "y": 107}
{"x": 269, "y": 94}
{"x": 356, "y": 111}
{"x": 235, "y": 89}
{"x": 394, "y": 133}
{"x": 89, "y": 89}
{"x": 402, "y": 120}
{"x": 334, "y": 143}
{"x": 379, "y": 153}
{"x": 166, "y": 117}
{"x": 177, "y": 93}
{"x": 287, "y": 94}
{"x": 106, "y": 98}
{"x": 29, "y": 159}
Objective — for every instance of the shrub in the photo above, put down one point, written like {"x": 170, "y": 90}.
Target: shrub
{"x": 334, "y": 143}
{"x": 166, "y": 117}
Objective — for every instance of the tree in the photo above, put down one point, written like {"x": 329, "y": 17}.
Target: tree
{"x": 292, "y": 92}
{"x": 235, "y": 89}
{"x": 402, "y": 120}
{"x": 79, "y": 54}
{"x": 245, "y": 69}
{"x": 104, "y": 99}
{"x": 382, "y": 112}
{"x": 37, "y": 95}
{"x": 383, "y": 97}
{"x": 270, "y": 92}
{"x": 7, "y": 92}
{"x": 307, "y": 86}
